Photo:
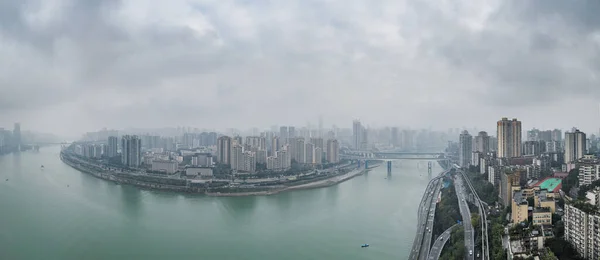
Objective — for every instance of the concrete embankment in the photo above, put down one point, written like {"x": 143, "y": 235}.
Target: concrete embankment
{"x": 313, "y": 185}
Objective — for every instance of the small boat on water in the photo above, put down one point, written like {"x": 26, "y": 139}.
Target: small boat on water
{"x": 42, "y": 166}
{"x": 364, "y": 245}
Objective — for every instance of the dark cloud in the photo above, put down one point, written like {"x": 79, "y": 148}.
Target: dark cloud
{"x": 258, "y": 63}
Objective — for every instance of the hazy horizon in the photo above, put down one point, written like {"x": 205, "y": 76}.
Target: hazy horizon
{"x": 70, "y": 67}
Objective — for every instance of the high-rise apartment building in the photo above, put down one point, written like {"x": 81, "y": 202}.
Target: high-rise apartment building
{"x": 509, "y": 138}
{"x": 131, "y": 151}
{"x": 582, "y": 229}
{"x": 589, "y": 169}
{"x": 333, "y": 149}
{"x": 394, "y": 136}
{"x": 300, "y": 150}
{"x": 465, "y": 149}
{"x": 237, "y": 158}
{"x": 509, "y": 182}
{"x": 17, "y": 135}
{"x": 224, "y": 145}
{"x": 112, "y": 147}
{"x": 275, "y": 146}
{"x": 291, "y": 132}
{"x": 309, "y": 153}
{"x": 283, "y": 135}
{"x": 575, "y": 145}
{"x": 482, "y": 143}
{"x": 357, "y": 135}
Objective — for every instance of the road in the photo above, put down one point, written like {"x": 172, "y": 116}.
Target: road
{"x": 424, "y": 211}
{"x": 426, "y": 245}
{"x": 438, "y": 245}
{"x": 482, "y": 208}
{"x": 422, "y": 242}
{"x": 465, "y": 212}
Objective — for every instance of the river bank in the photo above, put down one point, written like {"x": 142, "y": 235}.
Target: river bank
{"x": 183, "y": 185}
{"x": 313, "y": 185}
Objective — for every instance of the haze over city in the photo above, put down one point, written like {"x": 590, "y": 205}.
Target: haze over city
{"x": 75, "y": 66}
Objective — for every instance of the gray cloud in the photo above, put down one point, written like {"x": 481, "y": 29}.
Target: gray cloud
{"x": 219, "y": 64}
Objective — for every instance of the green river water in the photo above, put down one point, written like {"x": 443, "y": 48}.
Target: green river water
{"x": 60, "y": 213}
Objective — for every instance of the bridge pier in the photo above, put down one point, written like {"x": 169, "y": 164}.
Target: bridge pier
{"x": 429, "y": 167}
{"x": 389, "y": 167}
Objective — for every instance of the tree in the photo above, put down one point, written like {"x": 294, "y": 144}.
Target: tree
{"x": 572, "y": 180}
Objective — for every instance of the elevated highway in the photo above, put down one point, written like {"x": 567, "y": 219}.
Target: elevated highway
{"x": 481, "y": 205}
{"x": 426, "y": 216}
{"x": 440, "y": 242}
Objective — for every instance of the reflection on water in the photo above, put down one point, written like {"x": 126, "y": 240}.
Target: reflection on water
{"x": 332, "y": 194}
{"x": 131, "y": 198}
{"x": 239, "y": 208}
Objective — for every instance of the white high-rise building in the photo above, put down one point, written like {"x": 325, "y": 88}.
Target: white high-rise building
{"x": 283, "y": 159}
{"x": 333, "y": 149}
{"x": 589, "y": 169}
{"x": 318, "y": 155}
{"x": 575, "y": 145}
{"x": 582, "y": 229}
{"x": 465, "y": 151}
{"x": 112, "y": 147}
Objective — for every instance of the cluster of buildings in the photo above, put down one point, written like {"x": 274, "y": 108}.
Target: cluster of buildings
{"x": 206, "y": 149}
{"x": 536, "y": 156}
{"x": 276, "y": 155}
{"x": 529, "y": 175}
{"x": 10, "y": 141}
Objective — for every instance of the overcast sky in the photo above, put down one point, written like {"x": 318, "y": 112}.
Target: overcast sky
{"x": 70, "y": 66}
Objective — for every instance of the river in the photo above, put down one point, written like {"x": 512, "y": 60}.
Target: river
{"x": 60, "y": 213}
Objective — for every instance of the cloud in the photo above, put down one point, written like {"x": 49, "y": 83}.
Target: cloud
{"x": 73, "y": 66}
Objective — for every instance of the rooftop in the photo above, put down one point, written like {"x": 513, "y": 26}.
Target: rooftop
{"x": 550, "y": 184}
{"x": 541, "y": 210}
{"x": 519, "y": 198}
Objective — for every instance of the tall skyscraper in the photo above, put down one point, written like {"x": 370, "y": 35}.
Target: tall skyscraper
{"x": 275, "y": 145}
{"x": 465, "y": 149}
{"x": 482, "y": 143}
{"x": 394, "y": 136}
{"x": 283, "y": 135}
{"x": 131, "y": 151}
{"x": 320, "y": 126}
{"x": 237, "y": 158}
{"x": 224, "y": 144}
{"x": 113, "y": 143}
{"x": 357, "y": 135}
{"x": 300, "y": 150}
{"x": 509, "y": 138}
{"x": 575, "y": 145}
{"x": 17, "y": 135}
{"x": 291, "y": 132}
{"x": 333, "y": 149}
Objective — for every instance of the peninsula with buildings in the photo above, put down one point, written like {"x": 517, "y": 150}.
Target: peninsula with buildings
{"x": 216, "y": 164}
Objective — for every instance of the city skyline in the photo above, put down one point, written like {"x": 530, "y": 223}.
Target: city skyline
{"x": 291, "y": 62}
